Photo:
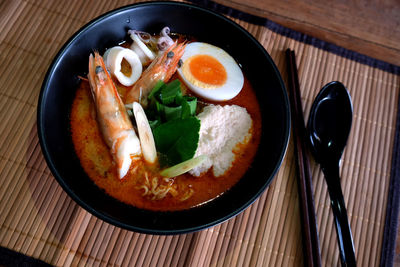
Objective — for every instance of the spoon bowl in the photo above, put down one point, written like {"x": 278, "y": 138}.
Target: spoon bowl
{"x": 330, "y": 122}
{"x": 328, "y": 128}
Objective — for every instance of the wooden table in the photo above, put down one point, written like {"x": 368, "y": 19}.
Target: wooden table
{"x": 368, "y": 27}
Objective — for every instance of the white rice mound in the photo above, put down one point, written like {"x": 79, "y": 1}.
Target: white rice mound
{"x": 222, "y": 129}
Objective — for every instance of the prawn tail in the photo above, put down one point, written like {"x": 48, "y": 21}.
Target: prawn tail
{"x": 126, "y": 148}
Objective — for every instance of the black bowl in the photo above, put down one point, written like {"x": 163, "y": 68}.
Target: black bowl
{"x": 62, "y": 80}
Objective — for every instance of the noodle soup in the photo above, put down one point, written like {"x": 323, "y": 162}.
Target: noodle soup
{"x": 143, "y": 186}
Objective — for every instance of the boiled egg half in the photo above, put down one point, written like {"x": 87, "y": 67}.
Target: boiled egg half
{"x": 210, "y": 72}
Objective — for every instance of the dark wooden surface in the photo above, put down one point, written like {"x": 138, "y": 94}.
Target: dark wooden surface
{"x": 397, "y": 257}
{"x": 368, "y": 27}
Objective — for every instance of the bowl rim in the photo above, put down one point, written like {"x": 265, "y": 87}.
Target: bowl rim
{"x": 43, "y": 143}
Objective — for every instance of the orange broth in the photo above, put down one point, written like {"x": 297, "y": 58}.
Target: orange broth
{"x": 97, "y": 161}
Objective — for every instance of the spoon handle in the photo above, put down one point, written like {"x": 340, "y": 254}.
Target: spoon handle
{"x": 345, "y": 239}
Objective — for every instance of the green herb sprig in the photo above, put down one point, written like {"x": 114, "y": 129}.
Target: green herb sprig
{"x": 174, "y": 124}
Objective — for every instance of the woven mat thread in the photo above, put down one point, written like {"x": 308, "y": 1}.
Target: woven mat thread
{"x": 38, "y": 219}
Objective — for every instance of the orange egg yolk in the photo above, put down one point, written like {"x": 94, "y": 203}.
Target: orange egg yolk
{"x": 208, "y": 70}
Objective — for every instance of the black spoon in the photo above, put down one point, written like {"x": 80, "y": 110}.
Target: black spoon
{"x": 329, "y": 126}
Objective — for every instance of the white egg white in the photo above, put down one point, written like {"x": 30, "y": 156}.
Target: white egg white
{"x": 233, "y": 83}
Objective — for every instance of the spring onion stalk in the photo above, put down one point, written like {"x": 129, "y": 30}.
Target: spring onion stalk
{"x": 145, "y": 134}
{"x": 183, "y": 167}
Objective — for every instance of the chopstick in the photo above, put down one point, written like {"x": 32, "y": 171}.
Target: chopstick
{"x": 312, "y": 256}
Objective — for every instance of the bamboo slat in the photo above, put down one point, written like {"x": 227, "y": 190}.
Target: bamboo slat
{"x": 39, "y": 219}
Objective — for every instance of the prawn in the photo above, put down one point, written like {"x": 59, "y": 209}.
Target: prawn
{"x": 114, "y": 122}
{"x": 162, "y": 68}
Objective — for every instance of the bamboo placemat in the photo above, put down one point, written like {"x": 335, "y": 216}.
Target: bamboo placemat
{"x": 38, "y": 219}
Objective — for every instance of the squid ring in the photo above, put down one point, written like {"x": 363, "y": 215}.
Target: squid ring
{"x": 113, "y": 59}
